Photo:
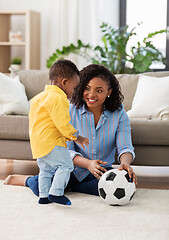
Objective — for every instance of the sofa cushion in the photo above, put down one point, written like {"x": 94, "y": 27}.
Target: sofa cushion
{"x": 14, "y": 127}
{"x": 149, "y": 132}
{"x": 13, "y": 99}
{"x": 128, "y": 83}
{"x": 33, "y": 80}
{"x": 15, "y": 149}
{"x": 151, "y": 99}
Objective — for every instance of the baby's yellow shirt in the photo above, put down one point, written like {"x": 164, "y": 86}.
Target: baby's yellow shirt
{"x": 49, "y": 121}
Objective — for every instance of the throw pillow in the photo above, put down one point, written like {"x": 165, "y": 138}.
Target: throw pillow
{"x": 13, "y": 99}
{"x": 33, "y": 80}
{"x": 151, "y": 99}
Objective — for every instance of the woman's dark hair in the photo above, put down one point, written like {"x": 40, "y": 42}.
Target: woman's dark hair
{"x": 94, "y": 70}
{"x": 64, "y": 69}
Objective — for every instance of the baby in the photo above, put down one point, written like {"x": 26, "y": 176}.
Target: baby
{"x": 49, "y": 129}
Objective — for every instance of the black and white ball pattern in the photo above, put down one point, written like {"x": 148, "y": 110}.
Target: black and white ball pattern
{"x": 116, "y": 188}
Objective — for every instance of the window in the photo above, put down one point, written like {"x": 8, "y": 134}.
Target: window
{"x": 152, "y": 15}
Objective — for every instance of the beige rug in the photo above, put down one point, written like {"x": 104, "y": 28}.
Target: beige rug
{"x": 22, "y": 218}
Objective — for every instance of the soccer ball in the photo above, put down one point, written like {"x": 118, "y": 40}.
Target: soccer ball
{"x": 116, "y": 188}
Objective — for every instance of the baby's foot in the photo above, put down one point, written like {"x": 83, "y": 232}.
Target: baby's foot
{"x": 44, "y": 201}
{"x": 59, "y": 199}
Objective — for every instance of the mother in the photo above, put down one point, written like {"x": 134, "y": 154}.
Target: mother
{"x": 98, "y": 114}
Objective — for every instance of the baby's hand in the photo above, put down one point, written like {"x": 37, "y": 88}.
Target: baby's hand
{"x": 82, "y": 140}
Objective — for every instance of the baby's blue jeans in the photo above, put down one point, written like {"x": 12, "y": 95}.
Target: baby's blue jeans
{"x": 55, "y": 169}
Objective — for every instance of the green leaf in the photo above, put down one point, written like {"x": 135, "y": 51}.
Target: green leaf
{"x": 111, "y": 52}
{"x": 58, "y": 52}
{"x": 80, "y": 43}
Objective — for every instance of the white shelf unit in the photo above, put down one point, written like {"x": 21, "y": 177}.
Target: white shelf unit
{"x": 31, "y": 43}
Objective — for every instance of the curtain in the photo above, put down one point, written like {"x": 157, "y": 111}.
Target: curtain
{"x": 70, "y": 20}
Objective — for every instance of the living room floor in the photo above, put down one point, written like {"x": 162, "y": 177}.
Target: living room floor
{"x": 148, "y": 177}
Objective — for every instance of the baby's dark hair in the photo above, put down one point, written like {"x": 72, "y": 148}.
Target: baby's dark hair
{"x": 94, "y": 70}
{"x": 63, "y": 69}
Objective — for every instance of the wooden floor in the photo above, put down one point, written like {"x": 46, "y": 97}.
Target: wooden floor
{"x": 8, "y": 167}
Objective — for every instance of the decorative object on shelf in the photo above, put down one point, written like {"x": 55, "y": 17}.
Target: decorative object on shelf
{"x": 15, "y": 36}
{"x": 112, "y": 52}
{"x": 28, "y": 23}
{"x": 16, "y": 63}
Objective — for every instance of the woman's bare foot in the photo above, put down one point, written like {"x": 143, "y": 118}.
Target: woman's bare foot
{"x": 18, "y": 180}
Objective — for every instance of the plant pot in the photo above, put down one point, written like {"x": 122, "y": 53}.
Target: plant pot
{"x": 15, "y": 67}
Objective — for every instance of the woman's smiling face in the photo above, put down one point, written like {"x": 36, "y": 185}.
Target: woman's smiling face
{"x": 96, "y": 92}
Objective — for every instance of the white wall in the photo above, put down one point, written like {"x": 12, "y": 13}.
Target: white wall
{"x": 86, "y": 20}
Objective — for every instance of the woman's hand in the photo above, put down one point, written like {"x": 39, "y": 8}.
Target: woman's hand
{"x": 125, "y": 160}
{"x": 128, "y": 168}
{"x": 95, "y": 168}
{"x": 92, "y": 165}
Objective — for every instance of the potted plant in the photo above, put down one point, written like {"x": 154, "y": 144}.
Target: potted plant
{"x": 16, "y": 63}
{"x": 112, "y": 52}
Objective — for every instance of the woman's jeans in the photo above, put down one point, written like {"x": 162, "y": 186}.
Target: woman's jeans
{"x": 89, "y": 185}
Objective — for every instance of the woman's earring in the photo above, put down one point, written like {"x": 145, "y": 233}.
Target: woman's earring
{"x": 108, "y": 96}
